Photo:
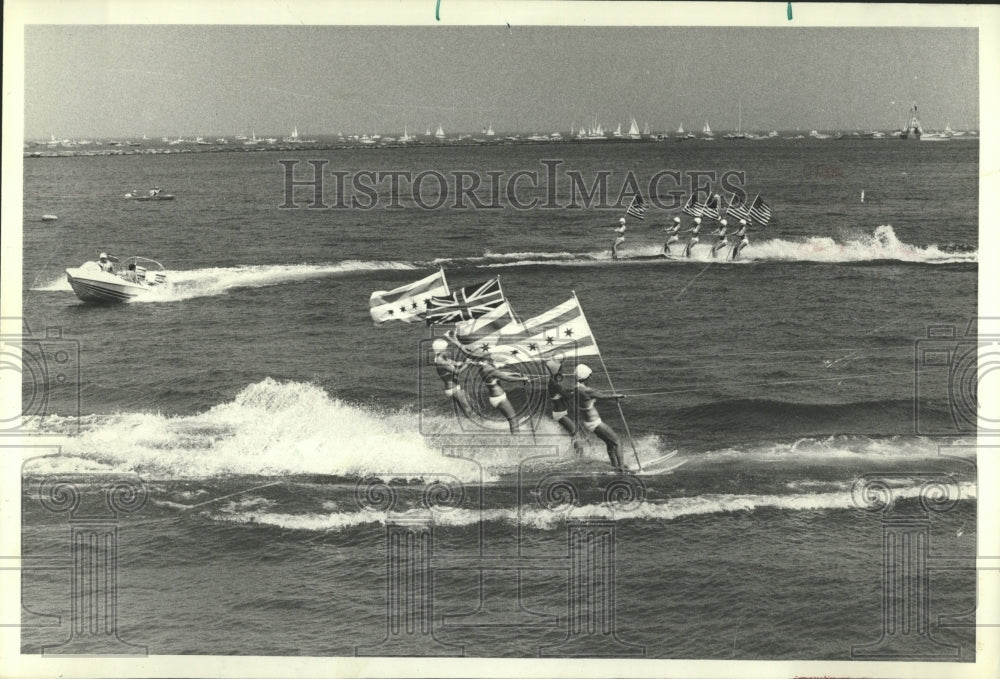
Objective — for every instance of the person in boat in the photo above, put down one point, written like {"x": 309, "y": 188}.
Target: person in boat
{"x": 672, "y": 232}
{"x": 155, "y": 191}
{"x": 743, "y": 240}
{"x": 106, "y": 264}
{"x": 694, "y": 236}
{"x": 620, "y": 231}
{"x": 587, "y": 398}
{"x": 721, "y": 242}
{"x": 560, "y": 397}
{"x": 448, "y": 370}
{"x": 492, "y": 376}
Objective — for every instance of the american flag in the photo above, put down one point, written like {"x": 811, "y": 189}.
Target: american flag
{"x": 470, "y": 302}
{"x": 638, "y": 208}
{"x": 407, "y": 303}
{"x": 760, "y": 211}
{"x": 711, "y": 207}
{"x": 737, "y": 208}
{"x": 692, "y": 208}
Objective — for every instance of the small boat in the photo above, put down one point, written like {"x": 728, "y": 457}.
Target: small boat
{"x": 154, "y": 194}
{"x": 121, "y": 281}
{"x": 49, "y": 218}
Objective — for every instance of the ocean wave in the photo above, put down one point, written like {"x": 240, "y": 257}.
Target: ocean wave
{"x": 546, "y": 519}
{"x": 276, "y": 428}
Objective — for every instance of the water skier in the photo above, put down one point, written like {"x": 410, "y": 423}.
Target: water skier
{"x": 672, "y": 232}
{"x": 620, "y": 239}
{"x": 491, "y": 377}
{"x": 497, "y": 396}
{"x": 559, "y": 397}
{"x": 588, "y": 396}
{"x": 722, "y": 242}
{"x": 694, "y": 237}
{"x": 743, "y": 242}
{"x": 448, "y": 370}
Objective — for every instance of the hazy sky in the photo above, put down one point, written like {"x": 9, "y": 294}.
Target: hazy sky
{"x": 102, "y": 81}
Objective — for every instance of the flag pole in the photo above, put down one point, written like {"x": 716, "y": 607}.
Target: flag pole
{"x": 445, "y": 279}
{"x": 608, "y": 375}
{"x": 510, "y": 310}
{"x": 513, "y": 318}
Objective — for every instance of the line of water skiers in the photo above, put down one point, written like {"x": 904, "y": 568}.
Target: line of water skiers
{"x": 674, "y": 229}
{"x": 561, "y": 397}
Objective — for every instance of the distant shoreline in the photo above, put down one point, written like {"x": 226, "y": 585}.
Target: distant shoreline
{"x": 133, "y": 150}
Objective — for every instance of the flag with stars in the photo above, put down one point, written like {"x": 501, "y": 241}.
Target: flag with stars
{"x": 638, "y": 208}
{"x": 711, "y": 207}
{"x": 760, "y": 211}
{"x": 470, "y": 302}
{"x": 693, "y": 208}
{"x": 737, "y": 208}
{"x": 561, "y": 332}
{"x": 409, "y": 302}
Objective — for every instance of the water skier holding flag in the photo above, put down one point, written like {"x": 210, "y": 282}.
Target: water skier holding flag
{"x": 560, "y": 397}
{"x": 672, "y": 231}
{"x": 722, "y": 242}
{"x": 492, "y": 376}
{"x": 448, "y": 370}
{"x": 620, "y": 239}
{"x": 592, "y": 421}
{"x": 743, "y": 242}
{"x": 694, "y": 237}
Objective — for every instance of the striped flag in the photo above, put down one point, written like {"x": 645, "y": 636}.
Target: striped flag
{"x": 408, "y": 302}
{"x": 638, "y": 208}
{"x": 561, "y": 332}
{"x": 737, "y": 208}
{"x": 760, "y": 211}
{"x": 487, "y": 325}
{"x": 711, "y": 207}
{"x": 470, "y": 302}
{"x": 692, "y": 208}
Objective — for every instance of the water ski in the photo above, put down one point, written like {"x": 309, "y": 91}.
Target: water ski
{"x": 662, "y": 458}
{"x": 663, "y": 470}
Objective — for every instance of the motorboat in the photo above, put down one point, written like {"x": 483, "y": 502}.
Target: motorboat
{"x": 116, "y": 280}
{"x": 153, "y": 194}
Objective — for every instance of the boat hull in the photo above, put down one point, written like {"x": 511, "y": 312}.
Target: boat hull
{"x": 102, "y": 288}
{"x": 161, "y": 197}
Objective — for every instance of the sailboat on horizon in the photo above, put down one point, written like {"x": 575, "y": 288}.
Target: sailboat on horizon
{"x": 633, "y": 129}
{"x": 739, "y": 134}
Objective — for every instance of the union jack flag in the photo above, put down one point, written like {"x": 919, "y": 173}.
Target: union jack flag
{"x": 638, "y": 208}
{"x": 470, "y": 302}
{"x": 737, "y": 208}
{"x": 760, "y": 211}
